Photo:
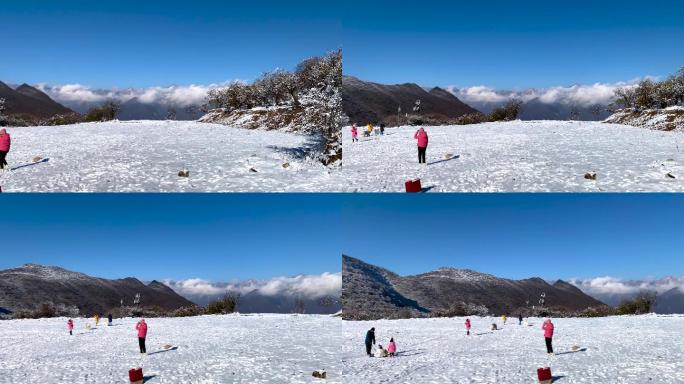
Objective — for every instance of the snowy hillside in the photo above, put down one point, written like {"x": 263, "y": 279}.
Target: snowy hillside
{"x": 629, "y": 349}
{"x": 146, "y": 156}
{"x": 527, "y": 156}
{"x": 668, "y": 119}
{"x": 210, "y": 349}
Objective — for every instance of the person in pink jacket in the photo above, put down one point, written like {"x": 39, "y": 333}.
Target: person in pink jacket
{"x": 5, "y": 143}
{"x": 422, "y": 137}
{"x": 142, "y": 334}
{"x": 70, "y": 326}
{"x": 392, "y": 347}
{"x": 548, "y": 335}
{"x": 355, "y": 133}
{"x": 467, "y": 325}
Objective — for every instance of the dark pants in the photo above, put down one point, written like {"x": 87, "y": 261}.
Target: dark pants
{"x": 549, "y": 348}
{"x": 71, "y": 333}
{"x": 141, "y": 342}
{"x": 421, "y": 154}
{"x": 3, "y": 162}
{"x": 368, "y": 348}
{"x": 468, "y": 332}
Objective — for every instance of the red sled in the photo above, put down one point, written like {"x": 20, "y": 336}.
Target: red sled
{"x": 136, "y": 375}
{"x": 413, "y": 186}
{"x": 544, "y": 375}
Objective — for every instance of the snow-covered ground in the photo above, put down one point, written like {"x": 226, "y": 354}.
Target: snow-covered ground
{"x": 146, "y": 156}
{"x": 628, "y": 349}
{"x": 210, "y": 349}
{"x": 519, "y": 156}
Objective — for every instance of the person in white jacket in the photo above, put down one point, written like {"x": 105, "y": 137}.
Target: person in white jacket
{"x": 381, "y": 352}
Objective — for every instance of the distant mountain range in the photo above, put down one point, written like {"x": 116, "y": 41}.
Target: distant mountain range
{"x": 534, "y": 108}
{"x": 29, "y": 286}
{"x": 365, "y": 102}
{"x": 30, "y": 102}
{"x": 669, "y": 292}
{"x": 372, "y": 292}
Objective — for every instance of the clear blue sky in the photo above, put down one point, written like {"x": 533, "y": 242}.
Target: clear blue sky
{"x": 511, "y": 44}
{"x": 156, "y": 236}
{"x": 520, "y": 235}
{"x": 141, "y": 43}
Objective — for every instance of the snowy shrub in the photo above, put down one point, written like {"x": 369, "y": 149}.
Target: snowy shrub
{"x": 227, "y": 304}
{"x": 507, "y": 112}
{"x": 106, "y": 112}
{"x": 308, "y": 100}
{"x": 649, "y": 94}
{"x": 641, "y": 304}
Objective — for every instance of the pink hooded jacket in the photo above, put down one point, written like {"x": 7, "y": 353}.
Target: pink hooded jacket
{"x": 391, "y": 347}
{"x": 5, "y": 140}
{"x": 355, "y": 131}
{"x": 142, "y": 328}
{"x": 70, "y": 325}
{"x": 422, "y": 138}
{"x": 548, "y": 329}
{"x": 467, "y": 324}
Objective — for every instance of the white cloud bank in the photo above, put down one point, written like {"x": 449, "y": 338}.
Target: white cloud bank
{"x": 177, "y": 95}
{"x": 305, "y": 286}
{"x": 582, "y": 95}
{"x": 607, "y": 285}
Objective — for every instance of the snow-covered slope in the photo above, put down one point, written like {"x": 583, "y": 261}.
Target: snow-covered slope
{"x": 629, "y": 349}
{"x": 668, "y": 119}
{"x": 211, "y": 349}
{"x": 519, "y": 156}
{"x": 146, "y": 156}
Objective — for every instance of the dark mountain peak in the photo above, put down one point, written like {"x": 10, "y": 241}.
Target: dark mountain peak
{"x": 5, "y": 87}
{"x": 365, "y": 101}
{"x": 28, "y": 101}
{"x": 29, "y": 286}
{"x": 371, "y": 292}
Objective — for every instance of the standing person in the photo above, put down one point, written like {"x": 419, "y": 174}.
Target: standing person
{"x": 548, "y": 335}
{"x": 382, "y": 128}
{"x": 355, "y": 133}
{"x": 5, "y": 144}
{"x": 520, "y": 319}
{"x": 370, "y": 341}
{"x": 109, "y": 320}
{"x": 392, "y": 347}
{"x": 504, "y": 318}
{"x": 142, "y": 334}
{"x": 369, "y": 129}
{"x": 422, "y": 138}
{"x": 70, "y": 327}
{"x": 467, "y": 325}
{"x": 97, "y": 319}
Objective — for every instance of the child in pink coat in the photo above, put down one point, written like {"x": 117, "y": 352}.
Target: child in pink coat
{"x": 5, "y": 144}
{"x": 355, "y": 133}
{"x": 548, "y": 335}
{"x": 422, "y": 137}
{"x": 141, "y": 327}
{"x": 70, "y": 326}
{"x": 467, "y": 325}
{"x": 391, "y": 348}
